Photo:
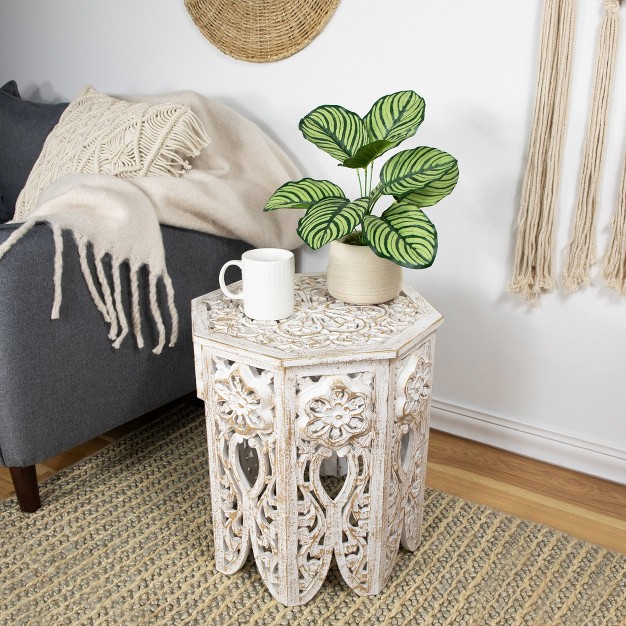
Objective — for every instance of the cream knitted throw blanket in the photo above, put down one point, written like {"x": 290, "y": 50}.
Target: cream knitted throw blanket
{"x": 118, "y": 220}
{"x": 223, "y": 194}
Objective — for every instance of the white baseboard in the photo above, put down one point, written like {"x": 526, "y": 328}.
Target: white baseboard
{"x": 542, "y": 444}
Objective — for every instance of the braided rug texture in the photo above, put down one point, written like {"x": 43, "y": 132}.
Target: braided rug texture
{"x": 124, "y": 537}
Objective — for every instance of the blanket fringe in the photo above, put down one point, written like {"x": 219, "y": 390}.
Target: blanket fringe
{"x": 119, "y": 308}
{"x": 57, "y": 234}
{"x": 110, "y": 303}
{"x": 16, "y": 236}
{"x": 81, "y": 243}
{"x": 108, "y": 298}
{"x": 169, "y": 288}
{"x": 134, "y": 303}
{"x": 156, "y": 314}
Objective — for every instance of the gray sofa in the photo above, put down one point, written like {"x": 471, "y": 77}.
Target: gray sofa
{"x": 61, "y": 381}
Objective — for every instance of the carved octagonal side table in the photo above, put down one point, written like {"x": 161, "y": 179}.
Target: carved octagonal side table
{"x": 333, "y": 381}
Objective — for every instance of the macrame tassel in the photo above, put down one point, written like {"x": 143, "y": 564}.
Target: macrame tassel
{"x": 581, "y": 253}
{"x": 615, "y": 261}
{"x": 533, "y": 272}
{"x": 57, "y": 233}
{"x": 170, "y": 140}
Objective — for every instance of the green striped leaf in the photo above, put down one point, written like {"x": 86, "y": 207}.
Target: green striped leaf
{"x": 435, "y": 190}
{"x": 301, "y": 194}
{"x": 403, "y": 234}
{"x": 414, "y": 169}
{"x": 335, "y": 130}
{"x": 330, "y": 219}
{"x": 395, "y": 117}
{"x": 367, "y": 153}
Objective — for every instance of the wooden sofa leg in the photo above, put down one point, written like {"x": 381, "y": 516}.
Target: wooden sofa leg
{"x": 26, "y": 488}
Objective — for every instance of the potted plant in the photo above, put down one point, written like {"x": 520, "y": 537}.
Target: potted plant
{"x": 368, "y": 251}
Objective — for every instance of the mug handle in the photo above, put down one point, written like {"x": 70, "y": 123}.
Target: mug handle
{"x": 227, "y": 292}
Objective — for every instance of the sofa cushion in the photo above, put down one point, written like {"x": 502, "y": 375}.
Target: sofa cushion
{"x": 99, "y": 134}
{"x": 24, "y": 127}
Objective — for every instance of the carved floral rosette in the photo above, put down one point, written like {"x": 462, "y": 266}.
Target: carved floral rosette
{"x": 242, "y": 445}
{"x": 334, "y": 417}
{"x": 408, "y": 450}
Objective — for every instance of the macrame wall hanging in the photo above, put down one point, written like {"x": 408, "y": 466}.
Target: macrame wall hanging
{"x": 260, "y": 31}
{"x": 615, "y": 261}
{"x": 534, "y": 255}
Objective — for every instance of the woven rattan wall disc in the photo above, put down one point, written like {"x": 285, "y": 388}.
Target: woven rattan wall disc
{"x": 260, "y": 30}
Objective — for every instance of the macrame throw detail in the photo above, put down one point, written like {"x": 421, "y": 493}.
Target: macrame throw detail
{"x": 533, "y": 272}
{"x": 104, "y": 135}
{"x": 615, "y": 260}
{"x": 581, "y": 253}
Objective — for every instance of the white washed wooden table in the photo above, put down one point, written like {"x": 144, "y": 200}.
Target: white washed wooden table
{"x": 334, "y": 382}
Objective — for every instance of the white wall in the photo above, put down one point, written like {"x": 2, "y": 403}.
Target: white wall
{"x": 549, "y": 382}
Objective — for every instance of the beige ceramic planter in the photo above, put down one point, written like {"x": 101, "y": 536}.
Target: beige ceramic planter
{"x": 357, "y": 276}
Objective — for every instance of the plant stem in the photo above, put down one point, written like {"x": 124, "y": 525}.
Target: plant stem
{"x": 358, "y": 173}
{"x": 373, "y": 196}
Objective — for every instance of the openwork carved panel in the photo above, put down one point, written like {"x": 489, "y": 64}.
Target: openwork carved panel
{"x": 353, "y": 395}
{"x": 244, "y": 455}
{"x": 411, "y": 427}
{"x": 319, "y": 321}
{"x": 335, "y": 416}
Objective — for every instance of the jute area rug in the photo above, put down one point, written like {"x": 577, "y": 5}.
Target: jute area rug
{"x": 124, "y": 537}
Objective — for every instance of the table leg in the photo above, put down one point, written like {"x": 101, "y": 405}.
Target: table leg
{"x": 342, "y": 414}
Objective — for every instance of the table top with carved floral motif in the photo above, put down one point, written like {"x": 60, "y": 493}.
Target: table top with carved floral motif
{"x": 320, "y": 324}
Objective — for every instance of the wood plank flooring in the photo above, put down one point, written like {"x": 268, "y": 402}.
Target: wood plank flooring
{"x": 586, "y": 507}
{"x": 583, "y": 506}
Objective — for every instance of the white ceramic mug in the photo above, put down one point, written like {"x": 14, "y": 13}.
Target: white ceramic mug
{"x": 268, "y": 276}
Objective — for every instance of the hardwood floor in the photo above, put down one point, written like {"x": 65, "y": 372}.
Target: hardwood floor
{"x": 586, "y": 507}
{"x": 583, "y": 506}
